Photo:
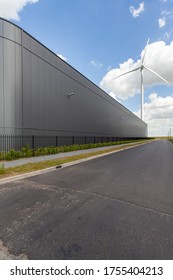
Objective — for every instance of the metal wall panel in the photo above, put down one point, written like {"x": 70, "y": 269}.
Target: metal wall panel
{"x": 37, "y": 85}
{"x": 1, "y": 27}
{"x": 1, "y": 83}
{"x": 18, "y": 89}
{"x": 48, "y": 95}
{"x": 43, "y": 97}
{"x": 27, "y": 92}
{"x": 10, "y": 31}
{"x": 35, "y": 92}
{"x": 26, "y": 41}
{"x": 10, "y": 79}
{"x": 9, "y": 83}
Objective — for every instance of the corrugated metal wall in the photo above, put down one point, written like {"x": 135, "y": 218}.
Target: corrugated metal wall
{"x": 34, "y": 88}
{"x": 10, "y": 79}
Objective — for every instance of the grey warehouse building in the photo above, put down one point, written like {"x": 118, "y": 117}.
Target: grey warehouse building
{"x": 42, "y": 95}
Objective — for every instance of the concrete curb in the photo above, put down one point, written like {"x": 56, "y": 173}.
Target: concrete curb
{"x": 34, "y": 173}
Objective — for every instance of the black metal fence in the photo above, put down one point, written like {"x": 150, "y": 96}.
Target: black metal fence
{"x": 17, "y": 142}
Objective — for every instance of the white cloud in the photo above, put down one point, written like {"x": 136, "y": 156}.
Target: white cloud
{"x": 162, "y": 22}
{"x": 166, "y": 19}
{"x": 159, "y": 58}
{"x": 158, "y": 113}
{"x": 95, "y": 63}
{"x": 10, "y": 9}
{"x": 62, "y": 57}
{"x": 136, "y": 12}
{"x": 114, "y": 97}
{"x": 167, "y": 34}
{"x": 109, "y": 67}
{"x": 166, "y": 13}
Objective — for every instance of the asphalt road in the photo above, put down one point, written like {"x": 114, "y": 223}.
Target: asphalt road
{"x": 115, "y": 207}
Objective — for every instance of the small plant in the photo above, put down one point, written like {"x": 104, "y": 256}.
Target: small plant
{"x": 26, "y": 151}
{"x": 1, "y": 156}
{"x": 51, "y": 150}
{"x": 38, "y": 152}
{"x": 67, "y": 149}
{"x": 2, "y": 169}
{"x": 12, "y": 154}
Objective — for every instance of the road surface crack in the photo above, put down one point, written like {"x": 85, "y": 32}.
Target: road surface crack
{"x": 136, "y": 205}
{"x": 57, "y": 189}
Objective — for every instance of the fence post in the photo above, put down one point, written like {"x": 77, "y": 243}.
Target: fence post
{"x": 56, "y": 141}
{"x": 32, "y": 141}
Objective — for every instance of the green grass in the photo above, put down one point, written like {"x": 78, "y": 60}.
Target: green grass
{"x": 12, "y": 171}
{"x": 28, "y": 152}
{"x": 2, "y": 169}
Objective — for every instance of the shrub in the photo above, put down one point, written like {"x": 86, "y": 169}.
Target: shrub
{"x": 26, "y": 151}
{"x": 38, "y": 152}
{"x": 1, "y": 155}
{"x": 2, "y": 169}
{"x": 51, "y": 150}
{"x": 12, "y": 154}
{"x": 66, "y": 149}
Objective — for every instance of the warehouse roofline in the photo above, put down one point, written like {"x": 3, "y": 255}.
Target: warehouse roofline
{"x": 106, "y": 94}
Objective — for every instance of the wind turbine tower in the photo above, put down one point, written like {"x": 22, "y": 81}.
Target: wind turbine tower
{"x": 141, "y": 68}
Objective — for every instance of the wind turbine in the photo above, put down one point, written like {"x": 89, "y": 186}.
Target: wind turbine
{"x": 141, "y": 68}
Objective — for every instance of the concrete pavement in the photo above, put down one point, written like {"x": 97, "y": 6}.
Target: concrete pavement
{"x": 116, "y": 207}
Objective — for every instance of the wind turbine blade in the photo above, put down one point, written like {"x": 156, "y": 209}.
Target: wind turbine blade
{"x": 145, "y": 50}
{"x": 148, "y": 41}
{"x": 130, "y": 71}
{"x": 156, "y": 75}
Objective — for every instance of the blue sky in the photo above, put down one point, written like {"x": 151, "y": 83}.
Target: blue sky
{"x": 104, "y": 38}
